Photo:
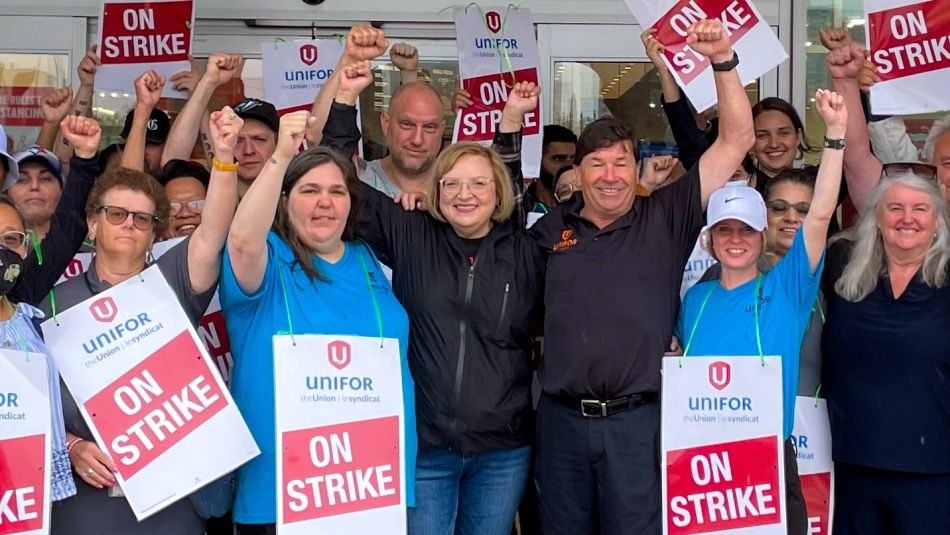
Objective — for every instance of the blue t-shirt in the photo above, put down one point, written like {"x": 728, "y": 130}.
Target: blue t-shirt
{"x": 341, "y": 306}
{"x": 727, "y": 325}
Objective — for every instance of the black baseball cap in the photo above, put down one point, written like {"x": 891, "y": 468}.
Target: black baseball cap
{"x": 259, "y": 110}
{"x": 156, "y": 130}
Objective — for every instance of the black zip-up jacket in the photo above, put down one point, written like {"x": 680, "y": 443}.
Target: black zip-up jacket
{"x": 470, "y": 319}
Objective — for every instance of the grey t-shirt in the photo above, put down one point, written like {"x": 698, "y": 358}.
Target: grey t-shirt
{"x": 376, "y": 177}
{"x": 91, "y": 511}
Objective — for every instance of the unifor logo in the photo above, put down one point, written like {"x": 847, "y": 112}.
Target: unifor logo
{"x": 720, "y": 373}
{"x": 340, "y": 353}
{"x": 104, "y": 309}
{"x": 308, "y": 54}
{"x": 493, "y": 21}
{"x": 566, "y": 234}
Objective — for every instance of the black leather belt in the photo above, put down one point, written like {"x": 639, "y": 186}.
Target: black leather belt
{"x": 595, "y": 408}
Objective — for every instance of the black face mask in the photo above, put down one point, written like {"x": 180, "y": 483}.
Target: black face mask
{"x": 11, "y": 263}
{"x": 545, "y": 178}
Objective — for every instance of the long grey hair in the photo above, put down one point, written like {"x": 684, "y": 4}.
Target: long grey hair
{"x": 866, "y": 260}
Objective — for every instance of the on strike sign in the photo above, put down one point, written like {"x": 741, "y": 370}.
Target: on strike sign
{"x": 723, "y": 458}
{"x": 497, "y": 48}
{"x": 753, "y": 40}
{"x": 340, "y": 435}
{"x": 24, "y": 443}
{"x": 136, "y": 36}
{"x": 149, "y": 392}
{"x": 812, "y": 436}
{"x": 910, "y": 46}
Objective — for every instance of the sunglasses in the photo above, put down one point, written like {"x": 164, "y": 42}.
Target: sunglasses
{"x": 117, "y": 216}
{"x": 923, "y": 170}
{"x": 780, "y": 206}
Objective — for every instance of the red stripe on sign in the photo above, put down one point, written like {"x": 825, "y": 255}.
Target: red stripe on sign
{"x": 737, "y": 18}
{"x": 21, "y": 484}
{"x": 911, "y": 39}
{"x": 489, "y": 95}
{"x": 339, "y": 469}
{"x": 145, "y": 32}
{"x": 156, "y": 404}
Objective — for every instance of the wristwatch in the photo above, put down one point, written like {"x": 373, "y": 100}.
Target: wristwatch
{"x": 836, "y": 144}
{"x": 727, "y": 65}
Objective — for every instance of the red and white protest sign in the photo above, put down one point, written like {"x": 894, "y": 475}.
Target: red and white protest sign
{"x": 752, "y": 39}
{"x": 812, "y": 436}
{"x": 340, "y": 435}
{"x": 723, "y": 455}
{"x": 24, "y": 443}
{"x": 496, "y": 49}
{"x": 137, "y": 36}
{"x": 909, "y": 42}
{"x": 149, "y": 392}
{"x": 22, "y": 106}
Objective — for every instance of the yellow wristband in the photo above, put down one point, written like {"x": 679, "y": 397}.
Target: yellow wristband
{"x": 224, "y": 166}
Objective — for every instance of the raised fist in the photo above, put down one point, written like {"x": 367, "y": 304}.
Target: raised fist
{"x": 87, "y": 67}
{"x": 225, "y": 126}
{"x": 364, "y": 42}
{"x": 709, "y": 38}
{"x": 82, "y": 133}
{"x": 56, "y": 104}
{"x": 404, "y": 56}
{"x": 148, "y": 88}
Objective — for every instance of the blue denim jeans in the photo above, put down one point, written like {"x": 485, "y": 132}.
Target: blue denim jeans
{"x": 468, "y": 493}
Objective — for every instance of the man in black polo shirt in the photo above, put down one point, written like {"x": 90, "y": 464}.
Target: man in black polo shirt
{"x": 614, "y": 269}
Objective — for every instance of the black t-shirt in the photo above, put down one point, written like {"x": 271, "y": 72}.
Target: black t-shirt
{"x": 612, "y": 294}
{"x": 886, "y": 373}
{"x": 470, "y": 247}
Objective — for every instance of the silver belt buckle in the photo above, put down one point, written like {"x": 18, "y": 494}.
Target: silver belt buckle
{"x": 596, "y": 405}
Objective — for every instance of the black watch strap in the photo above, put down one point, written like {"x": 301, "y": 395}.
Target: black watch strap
{"x": 727, "y": 65}
{"x": 836, "y": 144}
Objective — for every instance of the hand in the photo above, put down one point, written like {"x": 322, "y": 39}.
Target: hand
{"x": 82, "y": 133}
{"x": 868, "y": 76}
{"x": 522, "y": 99}
{"x": 222, "y": 68}
{"x": 354, "y": 78}
{"x": 845, "y": 62}
{"x": 293, "y": 127}
{"x": 656, "y": 172}
{"x": 654, "y": 49}
{"x": 87, "y": 67}
{"x": 187, "y": 81}
{"x": 833, "y": 111}
{"x": 709, "y": 38}
{"x": 148, "y": 89}
{"x": 404, "y": 56}
{"x": 412, "y": 201}
{"x": 362, "y": 43}
{"x": 675, "y": 350}
{"x": 462, "y": 99}
{"x": 225, "y": 126}
{"x": 56, "y": 104}
{"x": 86, "y": 455}
{"x": 834, "y": 38}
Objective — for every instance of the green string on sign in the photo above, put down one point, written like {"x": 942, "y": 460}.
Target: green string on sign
{"x": 290, "y": 323}
{"x": 504, "y": 59}
{"x": 35, "y": 242}
{"x": 369, "y": 286}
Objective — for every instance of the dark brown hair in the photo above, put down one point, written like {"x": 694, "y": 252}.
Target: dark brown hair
{"x": 805, "y": 177}
{"x": 783, "y": 106}
{"x": 299, "y": 166}
{"x": 603, "y": 133}
{"x": 124, "y": 178}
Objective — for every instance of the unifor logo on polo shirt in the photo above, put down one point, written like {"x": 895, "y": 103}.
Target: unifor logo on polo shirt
{"x": 567, "y": 240}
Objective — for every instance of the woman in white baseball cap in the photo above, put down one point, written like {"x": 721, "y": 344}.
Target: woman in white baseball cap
{"x": 715, "y": 318}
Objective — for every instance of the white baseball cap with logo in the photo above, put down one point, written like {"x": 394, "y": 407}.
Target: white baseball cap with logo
{"x": 738, "y": 201}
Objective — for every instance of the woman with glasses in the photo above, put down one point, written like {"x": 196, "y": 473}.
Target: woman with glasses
{"x": 471, "y": 283}
{"x": 715, "y": 319}
{"x": 886, "y": 347}
{"x": 186, "y": 185}
{"x": 127, "y": 211}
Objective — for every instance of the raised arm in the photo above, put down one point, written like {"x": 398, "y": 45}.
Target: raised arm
{"x": 187, "y": 81}
{"x": 862, "y": 169}
{"x": 834, "y": 112}
{"x": 55, "y": 107}
{"x": 247, "y": 240}
{"x": 406, "y": 58}
{"x": 207, "y": 241}
{"x": 522, "y": 98}
{"x": 719, "y": 162}
{"x": 82, "y": 105}
{"x": 363, "y": 43}
{"x": 342, "y": 133}
{"x": 148, "y": 89}
{"x": 221, "y": 68}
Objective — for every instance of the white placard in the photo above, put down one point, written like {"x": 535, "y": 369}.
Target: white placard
{"x": 496, "y": 48}
{"x": 149, "y": 392}
{"x": 812, "y": 437}
{"x": 340, "y": 435}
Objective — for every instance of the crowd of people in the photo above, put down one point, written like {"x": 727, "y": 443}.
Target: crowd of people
{"x": 592, "y": 252}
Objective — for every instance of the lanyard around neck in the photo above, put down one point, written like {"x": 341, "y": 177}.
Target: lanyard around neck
{"x": 755, "y": 308}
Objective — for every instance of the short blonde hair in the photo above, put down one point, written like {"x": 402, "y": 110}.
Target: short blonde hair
{"x": 447, "y": 160}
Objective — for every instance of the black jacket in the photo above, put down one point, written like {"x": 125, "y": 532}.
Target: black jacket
{"x": 470, "y": 319}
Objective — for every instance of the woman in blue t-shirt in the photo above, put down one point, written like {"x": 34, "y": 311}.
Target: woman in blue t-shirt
{"x": 304, "y": 268}
{"x": 714, "y": 318}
